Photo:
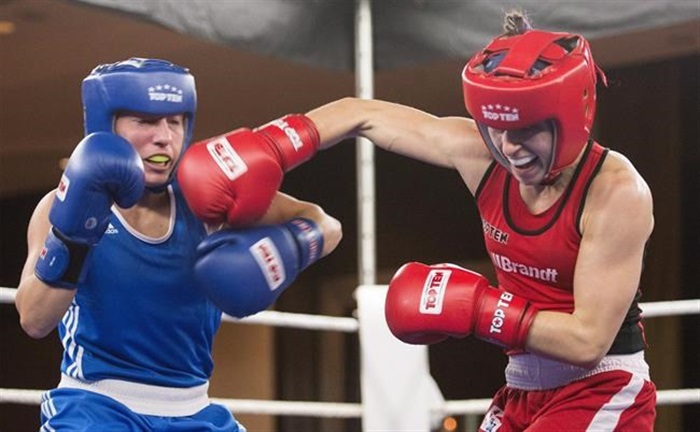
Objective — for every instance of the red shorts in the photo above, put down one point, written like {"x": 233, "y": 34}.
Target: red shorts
{"x": 608, "y": 401}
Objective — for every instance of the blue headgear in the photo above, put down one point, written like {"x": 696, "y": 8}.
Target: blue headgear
{"x": 147, "y": 86}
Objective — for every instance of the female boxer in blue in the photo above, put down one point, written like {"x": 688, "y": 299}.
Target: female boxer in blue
{"x": 126, "y": 270}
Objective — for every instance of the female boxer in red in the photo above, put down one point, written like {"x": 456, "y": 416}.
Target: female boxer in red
{"x": 565, "y": 222}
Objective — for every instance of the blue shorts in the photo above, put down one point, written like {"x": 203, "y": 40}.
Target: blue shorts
{"x": 67, "y": 409}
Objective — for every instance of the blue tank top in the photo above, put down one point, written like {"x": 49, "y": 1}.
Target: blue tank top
{"x": 138, "y": 316}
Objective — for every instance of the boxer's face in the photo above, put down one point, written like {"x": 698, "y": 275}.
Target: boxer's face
{"x": 528, "y": 150}
{"x": 158, "y": 140}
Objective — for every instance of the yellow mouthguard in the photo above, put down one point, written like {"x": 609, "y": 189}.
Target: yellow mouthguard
{"x": 158, "y": 159}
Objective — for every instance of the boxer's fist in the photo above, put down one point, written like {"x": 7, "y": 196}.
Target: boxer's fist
{"x": 233, "y": 178}
{"x": 104, "y": 168}
{"x": 427, "y": 304}
{"x": 244, "y": 271}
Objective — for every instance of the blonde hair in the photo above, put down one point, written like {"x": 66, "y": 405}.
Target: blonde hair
{"x": 516, "y": 22}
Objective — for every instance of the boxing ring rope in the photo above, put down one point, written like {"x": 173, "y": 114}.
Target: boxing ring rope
{"x": 350, "y": 325}
{"x": 344, "y": 410}
{"x": 355, "y": 410}
{"x": 299, "y": 321}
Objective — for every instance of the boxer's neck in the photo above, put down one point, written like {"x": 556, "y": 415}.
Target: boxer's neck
{"x": 151, "y": 215}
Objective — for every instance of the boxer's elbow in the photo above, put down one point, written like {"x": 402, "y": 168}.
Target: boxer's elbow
{"x": 35, "y": 328}
{"x": 34, "y": 318}
{"x": 332, "y": 234}
{"x": 589, "y": 349}
{"x": 588, "y": 359}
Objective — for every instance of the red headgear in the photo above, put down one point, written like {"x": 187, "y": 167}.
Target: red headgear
{"x": 521, "y": 80}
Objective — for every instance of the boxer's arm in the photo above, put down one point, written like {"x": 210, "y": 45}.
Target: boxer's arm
{"x": 452, "y": 142}
{"x": 40, "y": 307}
{"x": 285, "y": 207}
{"x": 617, "y": 222}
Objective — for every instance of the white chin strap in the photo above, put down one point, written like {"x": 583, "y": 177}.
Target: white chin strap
{"x": 495, "y": 152}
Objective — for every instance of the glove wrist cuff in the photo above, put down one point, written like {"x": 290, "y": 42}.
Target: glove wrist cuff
{"x": 308, "y": 238}
{"x": 294, "y": 138}
{"x": 504, "y": 318}
{"x": 61, "y": 262}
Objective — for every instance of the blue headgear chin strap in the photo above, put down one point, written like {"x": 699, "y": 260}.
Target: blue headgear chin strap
{"x": 147, "y": 86}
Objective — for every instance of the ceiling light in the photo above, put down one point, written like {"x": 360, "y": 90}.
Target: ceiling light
{"x": 6, "y": 27}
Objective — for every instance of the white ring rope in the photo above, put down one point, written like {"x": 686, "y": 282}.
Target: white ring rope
{"x": 7, "y": 295}
{"x": 350, "y": 325}
{"x": 666, "y": 308}
{"x": 292, "y": 408}
{"x": 300, "y": 321}
{"x": 271, "y": 318}
{"x": 354, "y": 410}
{"x": 345, "y": 410}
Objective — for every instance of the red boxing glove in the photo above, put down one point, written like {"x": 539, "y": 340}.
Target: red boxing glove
{"x": 427, "y": 304}
{"x": 231, "y": 178}
{"x": 234, "y": 177}
{"x": 294, "y": 138}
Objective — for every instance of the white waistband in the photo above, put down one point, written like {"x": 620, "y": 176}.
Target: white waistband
{"x": 146, "y": 399}
{"x": 532, "y": 372}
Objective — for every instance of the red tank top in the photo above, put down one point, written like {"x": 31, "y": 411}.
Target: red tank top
{"x": 535, "y": 254}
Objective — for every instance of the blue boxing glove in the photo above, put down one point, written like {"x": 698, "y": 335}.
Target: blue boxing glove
{"x": 243, "y": 272}
{"x": 104, "y": 168}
